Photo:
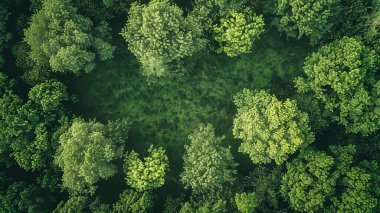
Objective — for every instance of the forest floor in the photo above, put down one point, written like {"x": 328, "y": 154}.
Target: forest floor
{"x": 165, "y": 115}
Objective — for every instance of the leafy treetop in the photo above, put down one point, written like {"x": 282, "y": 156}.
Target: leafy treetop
{"x": 270, "y": 129}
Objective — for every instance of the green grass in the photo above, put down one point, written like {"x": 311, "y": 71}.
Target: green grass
{"x": 165, "y": 115}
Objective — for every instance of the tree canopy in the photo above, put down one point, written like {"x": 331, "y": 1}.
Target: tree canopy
{"x": 133, "y": 201}
{"x": 271, "y": 130}
{"x": 305, "y": 18}
{"x": 148, "y": 173}
{"x": 341, "y": 75}
{"x": 64, "y": 40}
{"x": 159, "y": 35}
{"x": 86, "y": 152}
{"x": 198, "y": 106}
{"x": 315, "y": 178}
{"x": 237, "y": 32}
{"x": 208, "y": 165}
{"x": 29, "y": 126}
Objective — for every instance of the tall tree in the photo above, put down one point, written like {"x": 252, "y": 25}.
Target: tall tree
{"x": 270, "y": 129}
{"x": 65, "y": 41}
{"x": 159, "y": 36}
{"x": 300, "y": 18}
{"x": 28, "y": 127}
{"x": 265, "y": 184}
{"x": 316, "y": 178}
{"x": 149, "y": 173}
{"x": 246, "y": 202}
{"x": 237, "y": 32}
{"x": 86, "y": 152}
{"x": 208, "y": 165}
{"x": 341, "y": 75}
{"x": 133, "y": 201}
{"x": 21, "y": 197}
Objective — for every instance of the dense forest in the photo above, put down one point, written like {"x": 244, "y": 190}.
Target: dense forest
{"x": 195, "y": 106}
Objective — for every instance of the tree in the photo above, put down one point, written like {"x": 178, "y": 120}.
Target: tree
{"x": 65, "y": 41}
{"x": 133, "y": 201}
{"x": 270, "y": 129}
{"x": 207, "y": 164}
{"x": 28, "y": 126}
{"x": 246, "y": 202}
{"x": 159, "y": 35}
{"x": 86, "y": 152}
{"x": 9, "y": 103}
{"x": 304, "y": 18}
{"x": 373, "y": 23}
{"x": 119, "y": 6}
{"x": 149, "y": 173}
{"x": 341, "y": 75}
{"x": 219, "y": 206}
{"x": 49, "y": 95}
{"x": 265, "y": 184}
{"x": 315, "y": 178}
{"x": 20, "y": 197}
{"x": 237, "y": 32}
{"x": 75, "y": 204}
{"x": 357, "y": 196}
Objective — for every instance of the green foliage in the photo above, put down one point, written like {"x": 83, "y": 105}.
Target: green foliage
{"x": 237, "y": 32}
{"x": 265, "y": 183}
{"x": 341, "y": 76}
{"x": 94, "y": 9}
{"x": 133, "y": 201}
{"x": 20, "y": 197}
{"x": 315, "y": 178}
{"x": 354, "y": 18}
{"x": 61, "y": 38}
{"x": 5, "y": 36}
{"x": 270, "y": 129}
{"x": 75, "y": 204}
{"x": 28, "y": 126}
{"x": 308, "y": 181}
{"x": 246, "y": 202}
{"x": 119, "y": 6}
{"x": 357, "y": 197}
{"x": 149, "y": 173}
{"x": 159, "y": 35}
{"x": 173, "y": 204}
{"x": 319, "y": 118}
{"x": 304, "y": 18}
{"x": 218, "y": 206}
{"x": 78, "y": 203}
{"x": 86, "y": 153}
{"x": 373, "y": 23}
{"x": 49, "y": 94}
{"x": 207, "y": 164}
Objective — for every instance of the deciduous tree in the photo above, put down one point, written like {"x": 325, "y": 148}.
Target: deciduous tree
{"x": 315, "y": 178}
{"x": 271, "y": 130}
{"x": 246, "y": 202}
{"x": 85, "y": 155}
{"x": 300, "y": 18}
{"x": 237, "y": 32}
{"x": 133, "y": 201}
{"x": 64, "y": 40}
{"x": 208, "y": 165}
{"x": 341, "y": 75}
{"x": 159, "y": 35}
{"x": 148, "y": 173}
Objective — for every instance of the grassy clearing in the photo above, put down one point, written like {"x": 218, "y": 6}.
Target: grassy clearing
{"x": 165, "y": 115}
